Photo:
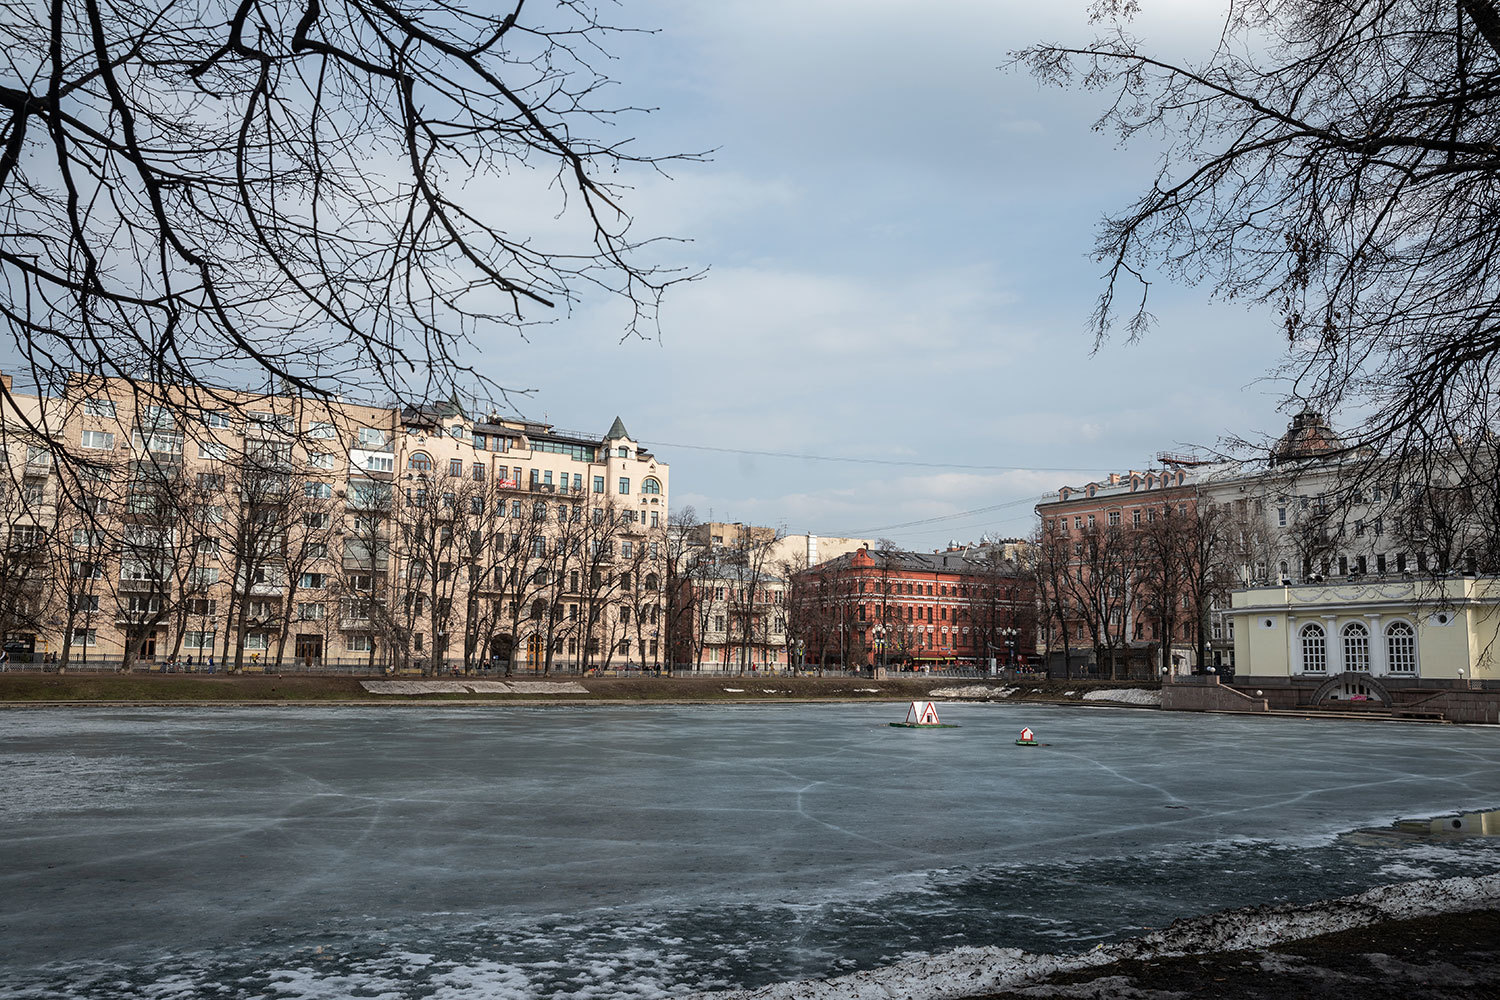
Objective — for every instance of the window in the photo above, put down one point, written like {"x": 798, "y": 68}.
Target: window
{"x": 1091, "y": 520}
{"x": 313, "y": 581}
{"x": 650, "y": 485}
{"x": 203, "y": 576}
{"x": 627, "y": 549}
{"x": 361, "y": 581}
{"x": 1281, "y": 517}
{"x": 315, "y": 520}
{"x": 476, "y": 505}
{"x": 655, "y": 523}
{"x": 321, "y": 431}
{"x": 1114, "y": 517}
{"x": 99, "y": 407}
{"x": 1135, "y": 517}
{"x": 359, "y": 643}
{"x": 85, "y": 637}
{"x": 371, "y": 437}
{"x": 455, "y": 467}
{"x": 320, "y": 460}
{"x": 1314, "y": 650}
{"x": 310, "y": 612}
{"x": 208, "y": 481}
{"x": 317, "y": 491}
{"x": 1400, "y": 648}
{"x": 269, "y": 421}
{"x": 1356, "y": 647}
{"x": 157, "y": 418}
{"x": 598, "y": 484}
{"x": 198, "y": 640}
{"x": 98, "y": 440}
{"x": 624, "y": 485}
{"x": 216, "y": 420}
{"x": 479, "y": 472}
{"x": 718, "y": 623}
{"x": 419, "y": 461}
{"x": 86, "y": 603}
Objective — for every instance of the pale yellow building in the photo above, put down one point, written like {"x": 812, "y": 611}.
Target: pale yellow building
{"x": 1398, "y": 633}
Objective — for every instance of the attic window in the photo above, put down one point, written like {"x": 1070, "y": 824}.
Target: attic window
{"x": 456, "y": 431}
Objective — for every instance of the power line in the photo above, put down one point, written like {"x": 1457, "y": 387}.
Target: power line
{"x": 951, "y": 517}
{"x": 862, "y": 461}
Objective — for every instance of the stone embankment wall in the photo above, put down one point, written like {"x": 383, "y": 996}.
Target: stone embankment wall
{"x": 1206, "y": 694}
{"x": 1460, "y": 706}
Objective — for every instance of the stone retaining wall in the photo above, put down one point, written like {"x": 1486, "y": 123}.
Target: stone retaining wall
{"x": 1208, "y": 695}
{"x": 1461, "y": 706}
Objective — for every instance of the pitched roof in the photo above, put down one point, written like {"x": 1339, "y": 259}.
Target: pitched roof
{"x": 617, "y": 430}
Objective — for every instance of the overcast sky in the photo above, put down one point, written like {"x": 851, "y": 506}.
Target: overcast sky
{"x": 897, "y": 235}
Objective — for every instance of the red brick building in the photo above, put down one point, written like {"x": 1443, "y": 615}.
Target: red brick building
{"x": 962, "y": 606}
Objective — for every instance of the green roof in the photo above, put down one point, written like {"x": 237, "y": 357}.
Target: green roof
{"x": 617, "y": 430}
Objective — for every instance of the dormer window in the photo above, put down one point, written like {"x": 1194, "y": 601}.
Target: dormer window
{"x": 456, "y": 431}
{"x": 623, "y": 452}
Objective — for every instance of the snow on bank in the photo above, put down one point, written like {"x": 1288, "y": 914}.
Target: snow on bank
{"x": 967, "y": 972}
{"x": 972, "y": 691}
{"x": 1127, "y": 696}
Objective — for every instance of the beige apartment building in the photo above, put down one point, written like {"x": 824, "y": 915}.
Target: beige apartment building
{"x": 145, "y": 525}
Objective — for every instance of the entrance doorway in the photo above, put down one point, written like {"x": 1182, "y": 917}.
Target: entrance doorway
{"x": 534, "y": 652}
{"x": 309, "y": 649}
{"x": 148, "y": 647}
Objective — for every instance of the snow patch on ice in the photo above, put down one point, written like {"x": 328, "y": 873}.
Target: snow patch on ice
{"x": 967, "y": 972}
{"x": 1127, "y": 696}
{"x": 735, "y": 690}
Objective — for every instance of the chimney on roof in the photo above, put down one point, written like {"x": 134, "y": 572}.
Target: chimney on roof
{"x": 1114, "y": 479}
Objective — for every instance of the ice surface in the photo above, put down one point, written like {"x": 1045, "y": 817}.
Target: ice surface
{"x": 650, "y": 851}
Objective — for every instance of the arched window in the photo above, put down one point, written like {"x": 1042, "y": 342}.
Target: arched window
{"x": 1356, "y": 647}
{"x": 651, "y": 485}
{"x": 1314, "y": 650}
{"x": 419, "y": 461}
{"x": 652, "y": 582}
{"x": 1400, "y": 648}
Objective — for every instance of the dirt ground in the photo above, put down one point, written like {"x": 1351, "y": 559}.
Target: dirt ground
{"x": 1452, "y": 957}
{"x": 30, "y": 687}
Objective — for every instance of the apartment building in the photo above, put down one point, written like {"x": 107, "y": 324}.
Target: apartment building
{"x": 1100, "y": 598}
{"x": 736, "y": 617}
{"x": 251, "y": 529}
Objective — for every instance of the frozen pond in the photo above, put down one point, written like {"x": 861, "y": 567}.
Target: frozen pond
{"x": 640, "y": 852}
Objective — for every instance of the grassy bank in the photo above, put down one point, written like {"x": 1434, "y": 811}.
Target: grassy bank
{"x": 23, "y": 688}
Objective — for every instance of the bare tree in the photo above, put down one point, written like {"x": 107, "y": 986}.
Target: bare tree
{"x": 302, "y": 191}
{"x": 1334, "y": 159}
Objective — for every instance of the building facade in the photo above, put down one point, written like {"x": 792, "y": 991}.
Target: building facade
{"x": 1116, "y": 575}
{"x": 888, "y": 608}
{"x": 254, "y": 530}
{"x": 1366, "y": 639}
